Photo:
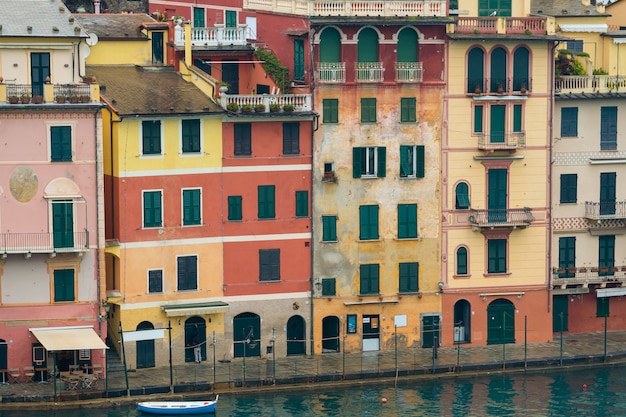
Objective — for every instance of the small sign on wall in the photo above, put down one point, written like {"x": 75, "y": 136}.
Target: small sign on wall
{"x": 400, "y": 320}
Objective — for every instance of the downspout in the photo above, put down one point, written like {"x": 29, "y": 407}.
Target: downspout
{"x": 313, "y": 130}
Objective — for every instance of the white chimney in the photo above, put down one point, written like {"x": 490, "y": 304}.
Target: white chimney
{"x": 96, "y": 6}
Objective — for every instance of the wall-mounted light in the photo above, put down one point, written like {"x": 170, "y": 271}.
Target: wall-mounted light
{"x": 440, "y": 284}
{"x": 318, "y": 287}
{"x": 53, "y": 254}
{"x": 28, "y": 255}
{"x": 4, "y": 255}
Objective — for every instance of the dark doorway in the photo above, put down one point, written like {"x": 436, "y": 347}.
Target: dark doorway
{"x": 371, "y": 332}
{"x": 39, "y": 70}
{"x": 500, "y": 322}
{"x": 560, "y": 313}
{"x": 145, "y": 348}
{"x": 157, "y": 47}
{"x": 247, "y": 335}
{"x": 230, "y": 75}
{"x": 296, "y": 336}
{"x": 330, "y": 334}
{"x": 431, "y": 331}
{"x": 195, "y": 336}
{"x": 462, "y": 316}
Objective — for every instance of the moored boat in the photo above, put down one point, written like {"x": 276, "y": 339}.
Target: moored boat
{"x": 178, "y": 407}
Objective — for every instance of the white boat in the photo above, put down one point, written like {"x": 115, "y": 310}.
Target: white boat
{"x": 178, "y": 407}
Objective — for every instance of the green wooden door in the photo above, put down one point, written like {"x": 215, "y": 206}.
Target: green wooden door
{"x": 296, "y": 336}
{"x": 607, "y": 193}
{"x": 330, "y": 46}
{"x": 498, "y": 71}
{"x": 500, "y": 322}
{"x": 198, "y": 17}
{"x": 145, "y": 348}
{"x": 231, "y": 19}
{"x": 63, "y": 224}
{"x": 606, "y": 254}
{"x": 39, "y": 70}
{"x": 560, "y": 313}
{"x": 497, "y": 195}
{"x": 431, "y": 331}
{"x": 368, "y": 46}
{"x": 497, "y": 123}
{"x": 521, "y": 65}
{"x": 475, "y": 71}
{"x": 407, "y": 46}
{"x": 298, "y": 59}
{"x": 567, "y": 256}
{"x": 247, "y": 335}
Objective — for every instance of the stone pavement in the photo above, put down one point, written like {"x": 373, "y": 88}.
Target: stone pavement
{"x": 256, "y": 373}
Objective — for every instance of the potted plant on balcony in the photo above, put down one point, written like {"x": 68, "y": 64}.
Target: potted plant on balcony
{"x": 24, "y": 99}
{"x": 38, "y": 99}
{"x": 329, "y": 176}
{"x": 85, "y": 99}
{"x": 13, "y": 99}
{"x": 571, "y": 269}
{"x": 288, "y": 108}
{"x": 60, "y": 98}
{"x": 74, "y": 99}
{"x": 259, "y": 108}
{"x": 582, "y": 269}
{"x": 274, "y": 108}
{"x": 232, "y": 106}
{"x": 246, "y": 108}
{"x": 523, "y": 89}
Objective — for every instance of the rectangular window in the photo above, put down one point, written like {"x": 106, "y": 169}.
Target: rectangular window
{"x": 191, "y": 207}
{"x": 243, "y": 139}
{"x": 407, "y": 221}
{"x": 155, "y": 281}
{"x": 191, "y": 136}
{"x": 63, "y": 223}
{"x": 328, "y": 286}
{"x": 368, "y": 110}
{"x": 329, "y": 228}
{"x": 368, "y": 222}
{"x": 234, "y": 207}
{"x": 269, "y": 265}
{"x": 266, "y": 197}
{"x": 60, "y": 143}
{"x": 408, "y": 110}
{"x": 608, "y": 128}
{"x": 151, "y": 137}
{"x": 187, "y": 273}
{"x": 575, "y": 46}
{"x": 63, "y": 285}
{"x": 408, "y": 277}
{"x": 369, "y": 279}
{"x": 412, "y": 161}
{"x": 478, "y": 119}
{"x": 291, "y": 138}
{"x": 569, "y": 122}
{"x": 152, "y": 209}
{"x": 606, "y": 256}
{"x": 569, "y": 187}
{"x": 517, "y": 118}
{"x": 567, "y": 257}
{"x": 302, "y": 203}
{"x": 602, "y": 307}
{"x": 330, "y": 110}
{"x": 369, "y": 162}
{"x": 496, "y": 256}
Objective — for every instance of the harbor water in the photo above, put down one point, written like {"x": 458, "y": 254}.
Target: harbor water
{"x": 593, "y": 391}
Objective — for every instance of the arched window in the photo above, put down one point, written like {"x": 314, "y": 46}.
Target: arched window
{"x": 498, "y": 74}
{"x": 407, "y": 46}
{"x": 368, "y": 68}
{"x": 476, "y": 71}
{"x": 521, "y": 66}
{"x": 461, "y": 261}
{"x": 330, "y": 45}
{"x": 462, "y": 196}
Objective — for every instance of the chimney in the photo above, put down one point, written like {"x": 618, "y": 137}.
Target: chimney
{"x": 586, "y": 3}
{"x": 96, "y": 6}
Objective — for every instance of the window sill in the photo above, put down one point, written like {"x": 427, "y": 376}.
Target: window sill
{"x": 329, "y": 241}
{"x": 408, "y": 177}
{"x": 369, "y": 177}
{"x": 151, "y": 155}
{"x": 269, "y": 281}
{"x": 464, "y": 276}
{"x": 418, "y": 238}
{"x": 183, "y": 154}
{"x": 568, "y": 203}
{"x": 192, "y": 225}
{"x": 497, "y": 274}
{"x": 369, "y": 240}
{"x": 243, "y": 156}
{"x": 152, "y": 227}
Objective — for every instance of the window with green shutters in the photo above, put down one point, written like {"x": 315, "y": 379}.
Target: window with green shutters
{"x": 408, "y": 277}
{"x": 567, "y": 257}
{"x": 368, "y": 110}
{"x": 369, "y": 280}
{"x": 330, "y": 110}
{"x": 198, "y": 17}
{"x": 370, "y": 161}
{"x": 496, "y": 256}
{"x": 569, "y": 122}
{"x": 476, "y": 71}
{"x": 191, "y": 135}
{"x": 569, "y": 188}
{"x": 191, "y": 207}
{"x": 298, "y": 59}
{"x": 60, "y": 143}
{"x": 269, "y": 265}
{"x": 242, "y": 139}
{"x": 368, "y": 222}
{"x": 329, "y": 287}
{"x": 407, "y": 221}
{"x": 231, "y": 18}
{"x": 461, "y": 261}
{"x": 602, "y": 307}
{"x": 478, "y": 119}
{"x": 517, "y": 118}
{"x": 488, "y": 7}
{"x": 329, "y": 228}
{"x": 498, "y": 76}
{"x": 152, "y": 209}
{"x": 462, "y": 201}
{"x": 412, "y": 161}
{"x": 408, "y": 110}
{"x": 267, "y": 202}
{"x": 187, "y": 273}
{"x": 63, "y": 285}
{"x": 234, "y": 208}
{"x": 63, "y": 223}
{"x": 606, "y": 255}
{"x": 521, "y": 69}
{"x": 155, "y": 281}
{"x": 151, "y": 137}
{"x": 291, "y": 138}
{"x": 608, "y": 128}
{"x": 302, "y": 203}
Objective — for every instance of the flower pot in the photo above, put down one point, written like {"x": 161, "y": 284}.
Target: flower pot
{"x": 74, "y": 99}
{"x": 274, "y": 109}
{"x": 25, "y": 100}
{"x": 85, "y": 99}
{"x": 259, "y": 109}
{"x": 14, "y": 100}
{"x": 38, "y": 99}
{"x": 60, "y": 99}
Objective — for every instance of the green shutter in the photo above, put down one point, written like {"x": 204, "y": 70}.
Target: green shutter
{"x": 302, "y": 203}
{"x": 191, "y": 135}
{"x": 521, "y": 65}
{"x": 191, "y": 207}
{"x": 461, "y": 261}
{"x": 330, "y": 45}
{"x": 367, "y": 48}
{"x": 608, "y": 128}
{"x": 475, "y": 70}
{"x": 496, "y": 134}
{"x": 63, "y": 224}
{"x": 63, "y": 285}
{"x": 496, "y": 256}
{"x": 328, "y": 286}
{"x": 567, "y": 256}
{"x": 231, "y": 19}
{"x": 329, "y": 228}
{"x": 152, "y": 209}
{"x": 368, "y": 110}
{"x": 330, "y": 110}
{"x": 407, "y": 45}
{"x": 408, "y": 277}
{"x": 266, "y": 204}
{"x": 420, "y": 161}
{"x": 298, "y": 59}
{"x": 517, "y": 118}
{"x": 498, "y": 70}
{"x": 478, "y": 119}
{"x": 356, "y": 162}
{"x": 234, "y": 208}
{"x": 569, "y": 121}
{"x": 382, "y": 162}
{"x": 407, "y": 109}
{"x": 198, "y": 17}
{"x": 407, "y": 221}
{"x": 60, "y": 143}
{"x": 368, "y": 219}
{"x": 606, "y": 256}
{"x": 406, "y": 168}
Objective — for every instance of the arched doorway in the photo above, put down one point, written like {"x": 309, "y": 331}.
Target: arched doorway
{"x": 145, "y": 348}
{"x": 330, "y": 334}
{"x": 500, "y": 322}
{"x": 247, "y": 335}
{"x": 296, "y": 336}
{"x": 462, "y": 317}
{"x": 195, "y": 337}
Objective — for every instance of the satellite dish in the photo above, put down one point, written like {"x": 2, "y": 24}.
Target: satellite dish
{"x": 92, "y": 39}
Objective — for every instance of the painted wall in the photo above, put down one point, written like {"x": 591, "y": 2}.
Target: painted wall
{"x": 132, "y": 52}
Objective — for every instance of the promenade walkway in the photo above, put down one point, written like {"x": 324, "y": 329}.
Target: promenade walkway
{"x": 255, "y": 373}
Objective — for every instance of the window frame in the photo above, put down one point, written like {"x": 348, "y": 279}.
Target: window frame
{"x": 149, "y": 137}
{"x": 242, "y": 139}
{"x": 61, "y": 143}
{"x": 155, "y": 223}
{"x": 197, "y": 209}
{"x": 407, "y": 221}
{"x": 568, "y": 189}
{"x": 291, "y": 138}
{"x": 461, "y": 268}
{"x": 408, "y": 110}
{"x": 369, "y": 222}
{"x": 368, "y": 110}
{"x": 373, "y": 157}
{"x": 369, "y": 279}
{"x": 191, "y": 277}
{"x": 459, "y": 196}
{"x": 150, "y": 280}
{"x": 412, "y": 159}
{"x": 269, "y": 265}
{"x": 191, "y": 140}
{"x": 408, "y": 277}
{"x": 330, "y": 111}
{"x": 329, "y": 228}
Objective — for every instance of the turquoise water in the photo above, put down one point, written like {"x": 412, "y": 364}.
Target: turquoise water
{"x": 558, "y": 393}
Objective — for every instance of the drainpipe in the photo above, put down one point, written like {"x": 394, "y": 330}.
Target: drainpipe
{"x": 188, "y": 57}
{"x": 313, "y": 130}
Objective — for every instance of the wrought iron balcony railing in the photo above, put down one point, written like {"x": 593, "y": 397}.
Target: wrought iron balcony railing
{"x": 369, "y": 72}
{"x": 331, "y": 72}
{"x": 409, "y": 72}
{"x": 22, "y": 243}
{"x": 502, "y": 141}
{"x": 605, "y": 210}
{"x": 219, "y": 35}
{"x": 584, "y": 276}
{"x": 501, "y": 218}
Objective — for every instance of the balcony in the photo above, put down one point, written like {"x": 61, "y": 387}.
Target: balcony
{"x": 49, "y": 93}
{"x": 369, "y": 72}
{"x": 285, "y": 102}
{"x": 347, "y": 8}
{"x": 502, "y": 141}
{"x": 29, "y": 243}
{"x": 590, "y": 84}
{"x": 605, "y": 210}
{"x": 504, "y": 25}
{"x": 585, "y": 276}
{"x": 409, "y": 72}
{"x": 501, "y": 218}
{"x": 212, "y": 37}
{"x": 331, "y": 72}
{"x": 519, "y": 86}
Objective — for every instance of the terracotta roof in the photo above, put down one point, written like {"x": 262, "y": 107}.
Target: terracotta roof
{"x": 562, "y": 8}
{"x": 45, "y": 18}
{"x": 117, "y": 26}
{"x": 134, "y": 90}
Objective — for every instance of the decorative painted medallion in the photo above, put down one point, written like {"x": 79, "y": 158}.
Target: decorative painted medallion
{"x": 23, "y": 184}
